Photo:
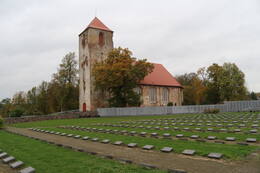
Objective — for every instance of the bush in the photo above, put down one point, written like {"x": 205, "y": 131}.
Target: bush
{"x": 16, "y": 112}
{"x": 170, "y": 104}
{"x": 1, "y": 122}
{"x": 211, "y": 111}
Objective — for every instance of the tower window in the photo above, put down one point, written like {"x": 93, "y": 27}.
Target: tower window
{"x": 101, "y": 40}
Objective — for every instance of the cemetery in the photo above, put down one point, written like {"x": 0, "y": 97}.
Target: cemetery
{"x": 225, "y": 137}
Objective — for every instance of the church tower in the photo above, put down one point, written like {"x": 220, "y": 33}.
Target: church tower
{"x": 95, "y": 42}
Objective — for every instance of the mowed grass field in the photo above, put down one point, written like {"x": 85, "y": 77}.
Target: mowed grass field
{"x": 48, "y": 158}
{"x": 230, "y": 151}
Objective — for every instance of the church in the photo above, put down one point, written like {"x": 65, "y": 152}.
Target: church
{"x": 158, "y": 88}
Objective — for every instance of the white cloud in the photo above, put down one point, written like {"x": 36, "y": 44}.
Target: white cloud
{"x": 181, "y": 34}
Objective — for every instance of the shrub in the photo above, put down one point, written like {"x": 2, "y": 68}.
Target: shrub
{"x": 1, "y": 122}
{"x": 16, "y": 112}
{"x": 211, "y": 111}
{"x": 170, "y": 104}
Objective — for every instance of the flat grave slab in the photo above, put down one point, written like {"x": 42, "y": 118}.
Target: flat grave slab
{"x": 211, "y": 137}
{"x": 132, "y": 145}
{"x": 2, "y": 155}
{"x": 250, "y": 139}
{"x": 27, "y": 170}
{"x": 230, "y": 138}
{"x": 179, "y": 135}
{"x": 166, "y": 135}
{"x": 16, "y": 164}
{"x": 148, "y": 147}
{"x": 154, "y": 134}
{"x": 69, "y": 135}
{"x": 188, "y": 152}
{"x": 118, "y": 143}
{"x": 166, "y": 149}
{"x": 105, "y": 141}
{"x": 8, "y": 159}
{"x": 85, "y": 138}
{"x": 77, "y": 136}
{"x": 215, "y": 155}
{"x": 253, "y": 131}
{"x": 194, "y": 136}
{"x": 94, "y": 139}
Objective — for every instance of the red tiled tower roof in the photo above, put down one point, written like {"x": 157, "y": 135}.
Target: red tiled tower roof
{"x": 96, "y": 23}
{"x": 160, "y": 77}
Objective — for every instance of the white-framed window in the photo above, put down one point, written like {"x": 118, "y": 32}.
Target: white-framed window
{"x": 152, "y": 95}
{"x": 165, "y": 95}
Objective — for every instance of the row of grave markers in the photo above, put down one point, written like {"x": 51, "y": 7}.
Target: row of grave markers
{"x": 15, "y": 164}
{"x": 131, "y": 145}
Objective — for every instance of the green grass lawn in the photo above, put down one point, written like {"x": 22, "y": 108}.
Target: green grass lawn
{"x": 47, "y": 158}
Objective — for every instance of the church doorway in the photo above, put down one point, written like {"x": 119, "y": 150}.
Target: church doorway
{"x": 84, "y": 107}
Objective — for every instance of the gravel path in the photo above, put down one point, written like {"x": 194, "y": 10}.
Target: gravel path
{"x": 165, "y": 161}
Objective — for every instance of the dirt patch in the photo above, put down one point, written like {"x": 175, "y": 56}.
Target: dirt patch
{"x": 161, "y": 160}
{"x": 4, "y": 168}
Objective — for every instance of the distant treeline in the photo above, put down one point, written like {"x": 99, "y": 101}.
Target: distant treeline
{"x": 60, "y": 94}
{"x": 215, "y": 84}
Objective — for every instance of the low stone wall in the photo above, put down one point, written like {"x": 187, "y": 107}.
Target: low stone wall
{"x": 73, "y": 115}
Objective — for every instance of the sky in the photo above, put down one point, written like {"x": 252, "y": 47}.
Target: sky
{"x": 183, "y": 35}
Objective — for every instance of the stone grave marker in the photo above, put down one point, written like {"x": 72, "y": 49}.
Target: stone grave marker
{"x": 105, "y": 141}
{"x": 77, "y": 136}
{"x": 179, "y": 135}
{"x": 154, "y": 134}
{"x": 148, "y": 147}
{"x": 132, "y": 145}
{"x": 194, "y": 136}
{"x": 215, "y": 155}
{"x": 188, "y": 152}
{"x": 27, "y": 170}
{"x": 85, "y": 138}
{"x": 230, "y": 138}
{"x": 16, "y": 164}
{"x": 94, "y": 139}
{"x": 69, "y": 135}
{"x": 250, "y": 139}
{"x": 2, "y": 155}
{"x": 211, "y": 137}
{"x": 166, "y": 135}
{"x": 166, "y": 149}
{"x": 8, "y": 159}
{"x": 118, "y": 143}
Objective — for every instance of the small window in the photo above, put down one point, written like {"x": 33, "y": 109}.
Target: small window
{"x": 101, "y": 40}
{"x": 152, "y": 95}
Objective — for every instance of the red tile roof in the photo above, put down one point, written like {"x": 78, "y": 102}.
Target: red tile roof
{"x": 160, "y": 77}
{"x": 96, "y": 23}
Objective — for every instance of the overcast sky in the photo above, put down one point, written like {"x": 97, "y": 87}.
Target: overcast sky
{"x": 183, "y": 35}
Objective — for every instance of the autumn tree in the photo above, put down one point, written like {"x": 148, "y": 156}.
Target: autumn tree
{"x": 118, "y": 75}
{"x": 194, "y": 89}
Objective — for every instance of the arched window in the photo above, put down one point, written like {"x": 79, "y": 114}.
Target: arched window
{"x": 101, "y": 40}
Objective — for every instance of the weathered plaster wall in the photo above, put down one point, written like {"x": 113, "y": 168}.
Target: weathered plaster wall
{"x": 175, "y": 95}
{"x": 90, "y": 52}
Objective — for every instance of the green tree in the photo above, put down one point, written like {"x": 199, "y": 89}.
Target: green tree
{"x": 252, "y": 96}
{"x": 226, "y": 83}
{"x": 118, "y": 75}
